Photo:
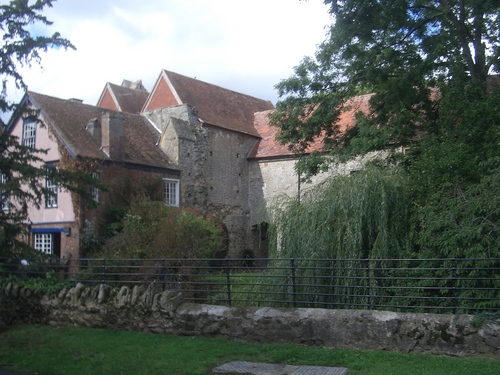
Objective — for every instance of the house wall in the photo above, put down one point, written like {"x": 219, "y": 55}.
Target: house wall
{"x": 163, "y": 97}
{"x": 227, "y": 170}
{"x": 53, "y": 218}
{"x": 64, "y": 210}
{"x": 108, "y": 102}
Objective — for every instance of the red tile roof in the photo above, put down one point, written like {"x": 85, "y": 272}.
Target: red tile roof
{"x": 69, "y": 119}
{"x": 268, "y": 147}
{"x": 215, "y": 105}
{"x": 125, "y": 99}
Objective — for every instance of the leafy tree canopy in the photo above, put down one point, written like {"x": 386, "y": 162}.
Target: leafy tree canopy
{"x": 22, "y": 168}
{"x": 427, "y": 67}
{"x": 400, "y": 50}
{"x": 19, "y": 47}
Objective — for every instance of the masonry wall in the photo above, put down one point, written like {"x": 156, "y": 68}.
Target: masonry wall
{"x": 272, "y": 178}
{"x": 214, "y": 169}
{"x": 148, "y": 309}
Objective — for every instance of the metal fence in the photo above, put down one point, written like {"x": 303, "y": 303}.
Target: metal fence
{"x": 409, "y": 285}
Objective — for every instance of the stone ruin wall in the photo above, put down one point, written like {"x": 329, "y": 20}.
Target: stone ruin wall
{"x": 148, "y": 309}
{"x": 214, "y": 168}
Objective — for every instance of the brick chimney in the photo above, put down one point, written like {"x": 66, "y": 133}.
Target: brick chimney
{"x": 113, "y": 135}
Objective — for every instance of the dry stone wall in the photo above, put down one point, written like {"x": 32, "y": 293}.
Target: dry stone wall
{"x": 149, "y": 309}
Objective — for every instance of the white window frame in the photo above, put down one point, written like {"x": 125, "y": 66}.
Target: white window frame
{"x": 95, "y": 190}
{"x": 44, "y": 242}
{"x": 171, "y": 191}
{"x": 50, "y": 184}
{"x": 29, "y": 133}
{"x": 4, "y": 196}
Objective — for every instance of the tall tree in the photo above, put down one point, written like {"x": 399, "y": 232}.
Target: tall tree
{"x": 426, "y": 66}
{"x": 22, "y": 170}
{"x": 397, "y": 49}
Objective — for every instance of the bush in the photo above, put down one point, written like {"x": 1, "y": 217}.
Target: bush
{"x": 153, "y": 230}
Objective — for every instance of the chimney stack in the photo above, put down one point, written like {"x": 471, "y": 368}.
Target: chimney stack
{"x": 113, "y": 135}
{"x": 94, "y": 128}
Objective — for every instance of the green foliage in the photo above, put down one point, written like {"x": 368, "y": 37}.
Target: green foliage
{"x": 19, "y": 47}
{"x": 398, "y": 50}
{"x": 480, "y": 320}
{"x": 124, "y": 190}
{"x": 427, "y": 65}
{"x": 455, "y": 174}
{"x": 20, "y": 164}
{"x": 50, "y": 283}
{"x": 357, "y": 217}
{"x": 152, "y": 229}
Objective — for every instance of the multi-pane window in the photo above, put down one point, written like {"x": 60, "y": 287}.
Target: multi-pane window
{"x": 95, "y": 190}
{"x": 172, "y": 192}
{"x": 44, "y": 243}
{"x": 29, "y": 133}
{"x": 51, "y": 186}
{"x": 4, "y": 196}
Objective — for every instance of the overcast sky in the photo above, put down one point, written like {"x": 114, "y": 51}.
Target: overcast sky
{"x": 243, "y": 45}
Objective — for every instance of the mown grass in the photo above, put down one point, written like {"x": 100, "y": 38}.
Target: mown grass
{"x": 63, "y": 350}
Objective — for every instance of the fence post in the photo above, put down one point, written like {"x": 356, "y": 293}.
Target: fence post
{"x": 368, "y": 290}
{"x": 454, "y": 285}
{"x": 164, "y": 271}
{"x": 103, "y": 273}
{"x": 294, "y": 284}
{"x": 228, "y": 282}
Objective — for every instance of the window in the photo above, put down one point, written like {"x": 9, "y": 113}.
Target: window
{"x": 44, "y": 243}
{"x": 95, "y": 190}
{"x": 29, "y": 133}
{"x": 51, "y": 186}
{"x": 4, "y": 196}
{"x": 172, "y": 192}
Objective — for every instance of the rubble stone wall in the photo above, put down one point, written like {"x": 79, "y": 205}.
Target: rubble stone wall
{"x": 149, "y": 309}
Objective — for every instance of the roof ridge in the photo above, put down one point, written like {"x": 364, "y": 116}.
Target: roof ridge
{"x": 214, "y": 85}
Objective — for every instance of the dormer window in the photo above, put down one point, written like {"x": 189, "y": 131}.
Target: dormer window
{"x": 29, "y": 133}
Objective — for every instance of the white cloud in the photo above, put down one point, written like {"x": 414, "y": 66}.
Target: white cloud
{"x": 246, "y": 46}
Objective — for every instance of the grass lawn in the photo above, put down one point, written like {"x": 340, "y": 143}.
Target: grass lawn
{"x": 73, "y": 351}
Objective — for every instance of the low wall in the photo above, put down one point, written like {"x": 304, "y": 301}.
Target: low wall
{"x": 148, "y": 309}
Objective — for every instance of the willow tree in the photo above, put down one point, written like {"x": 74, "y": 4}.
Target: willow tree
{"x": 335, "y": 231}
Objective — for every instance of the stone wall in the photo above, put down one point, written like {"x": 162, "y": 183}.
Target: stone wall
{"x": 270, "y": 179}
{"x": 148, "y": 309}
{"x": 214, "y": 168}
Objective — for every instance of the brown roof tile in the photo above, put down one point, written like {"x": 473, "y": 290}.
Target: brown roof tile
{"x": 69, "y": 119}
{"x": 268, "y": 147}
{"x": 218, "y": 106}
{"x": 126, "y": 99}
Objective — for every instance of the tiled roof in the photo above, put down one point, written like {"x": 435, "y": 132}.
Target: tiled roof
{"x": 268, "y": 147}
{"x": 69, "y": 119}
{"x": 125, "y": 98}
{"x": 218, "y": 106}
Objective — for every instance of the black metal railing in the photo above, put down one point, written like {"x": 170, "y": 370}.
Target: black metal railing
{"x": 414, "y": 285}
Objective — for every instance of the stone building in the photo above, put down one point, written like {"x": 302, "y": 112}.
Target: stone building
{"x": 212, "y": 148}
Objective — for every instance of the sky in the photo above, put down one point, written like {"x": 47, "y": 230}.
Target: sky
{"x": 243, "y": 45}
